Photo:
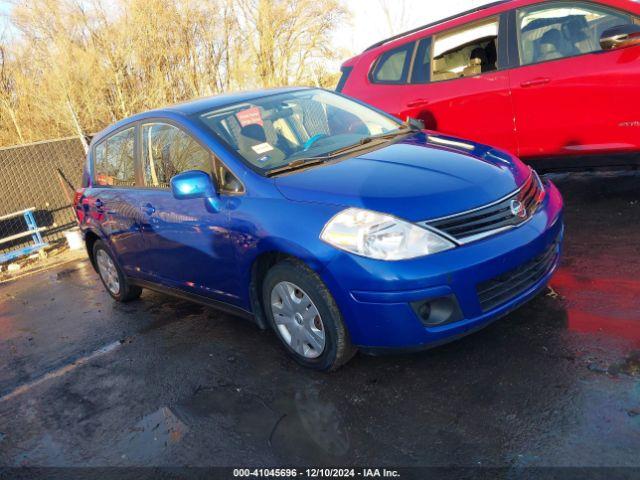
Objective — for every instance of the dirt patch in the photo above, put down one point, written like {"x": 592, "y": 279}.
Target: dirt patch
{"x": 629, "y": 366}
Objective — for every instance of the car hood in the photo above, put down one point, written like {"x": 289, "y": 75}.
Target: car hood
{"x": 419, "y": 178}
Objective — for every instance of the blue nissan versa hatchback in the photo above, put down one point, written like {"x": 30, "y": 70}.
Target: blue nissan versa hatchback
{"x": 320, "y": 217}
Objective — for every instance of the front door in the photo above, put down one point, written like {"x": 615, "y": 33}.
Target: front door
{"x": 186, "y": 241}
{"x": 570, "y": 97}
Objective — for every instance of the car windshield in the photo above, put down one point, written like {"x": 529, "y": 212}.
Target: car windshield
{"x": 295, "y": 127}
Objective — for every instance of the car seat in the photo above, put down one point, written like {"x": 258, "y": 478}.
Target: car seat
{"x": 255, "y": 146}
{"x": 478, "y": 63}
{"x": 575, "y": 33}
{"x": 550, "y": 46}
{"x": 311, "y": 119}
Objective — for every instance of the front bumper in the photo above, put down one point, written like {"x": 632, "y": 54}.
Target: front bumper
{"x": 375, "y": 297}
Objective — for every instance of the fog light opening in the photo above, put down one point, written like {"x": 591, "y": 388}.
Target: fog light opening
{"x": 438, "y": 311}
{"x": 424, "y": 311}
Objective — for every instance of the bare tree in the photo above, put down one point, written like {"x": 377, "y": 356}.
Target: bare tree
{"x": 78, "y": 65}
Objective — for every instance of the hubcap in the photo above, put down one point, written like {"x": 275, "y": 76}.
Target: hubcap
{"x": 108, "y": 272}
{"x": 297, "y": 320}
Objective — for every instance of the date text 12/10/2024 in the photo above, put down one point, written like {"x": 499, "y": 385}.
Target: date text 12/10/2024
{"x": 315, "y": 473}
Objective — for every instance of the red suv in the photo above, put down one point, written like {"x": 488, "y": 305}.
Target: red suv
{"x": 549, "y": 81}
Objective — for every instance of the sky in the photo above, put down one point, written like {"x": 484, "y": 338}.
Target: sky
{"x": 371, "y": 20}
{"x": 375, "y": 20}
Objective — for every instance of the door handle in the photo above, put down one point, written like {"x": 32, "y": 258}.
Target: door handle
{"x": 418, "y": 102}
{"x": 148, "y": 209}
{"x": 535, "y": 82}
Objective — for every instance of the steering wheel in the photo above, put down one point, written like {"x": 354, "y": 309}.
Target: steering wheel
{"x": 309, "y": 143}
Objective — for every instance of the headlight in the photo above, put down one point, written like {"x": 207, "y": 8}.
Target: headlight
{"x": 542, "y": 191}
{"x": 380, "y": 236}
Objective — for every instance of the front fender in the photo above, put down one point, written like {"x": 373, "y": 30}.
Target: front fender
{"x": 263, "y": 226}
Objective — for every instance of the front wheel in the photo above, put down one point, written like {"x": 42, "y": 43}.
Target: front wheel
{"x": 305, "y": 317}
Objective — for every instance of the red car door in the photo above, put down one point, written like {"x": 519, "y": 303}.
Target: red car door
{"x": 451, "y": 81}
{"x": 569, "y": 96}
{"x": 467, "y": 94}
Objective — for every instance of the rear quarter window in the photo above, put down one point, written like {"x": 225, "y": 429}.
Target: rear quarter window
{"x": 393, "y": 66}
{"x": 114, "y": 160}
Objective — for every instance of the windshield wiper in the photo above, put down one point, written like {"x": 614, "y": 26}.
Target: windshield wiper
{"x": 363, "y": 142}
{"x": 296, "y": 164}
{"x": 310, "y": 161}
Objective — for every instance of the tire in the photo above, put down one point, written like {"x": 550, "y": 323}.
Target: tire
{"x": 307, "y": 295}
{"x": 111, "y": 274}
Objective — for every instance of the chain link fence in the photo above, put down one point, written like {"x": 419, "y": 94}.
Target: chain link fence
{"x": 42, "y": 175}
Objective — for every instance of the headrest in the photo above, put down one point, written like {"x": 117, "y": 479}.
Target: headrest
{"x": 254, "y": 132}
{"x": 575, "y": 28}
{"x": 479, "y": 54}
{"x": 552, "y": 37}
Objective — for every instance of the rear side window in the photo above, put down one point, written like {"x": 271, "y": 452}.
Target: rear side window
{"x": 466, "y": 52}
{"x": 168, "y": 151}
{"x": 564, "y": 29}
{"x": 393, "y": 66}
{"x": 114, "y": 160}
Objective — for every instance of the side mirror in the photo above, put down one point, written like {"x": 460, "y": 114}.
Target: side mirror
{"x": 193, "y": 184}
{"x": 414, "y": 123}
{"x": 620, "y": 37}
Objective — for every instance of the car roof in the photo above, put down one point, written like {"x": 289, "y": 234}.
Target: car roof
{"x": 477, "y": 13}
{"x": 438, "y": 22}
{"x": 194, "y": 106}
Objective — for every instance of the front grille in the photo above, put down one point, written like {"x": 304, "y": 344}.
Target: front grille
{"x": 484, "y": 221}
{"x": 501, "y": 289}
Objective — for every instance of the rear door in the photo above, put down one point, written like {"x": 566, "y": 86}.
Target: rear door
{"x": 387, "y": 85}
{"x": 570, "y": 97}
{"x": 112, "y": 199}
{"x": 187, "y": 244}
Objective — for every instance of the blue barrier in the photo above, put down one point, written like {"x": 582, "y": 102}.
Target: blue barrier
{"x": 32, "y": 229}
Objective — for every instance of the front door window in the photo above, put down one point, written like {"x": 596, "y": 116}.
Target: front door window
{"x": 560, "y": 29}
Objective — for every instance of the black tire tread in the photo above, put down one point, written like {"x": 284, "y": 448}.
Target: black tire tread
{"x": 344, "y": 348}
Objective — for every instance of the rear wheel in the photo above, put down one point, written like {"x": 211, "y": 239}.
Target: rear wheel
{"x": 305, "y": 317}
{"x": 111, "y": 275}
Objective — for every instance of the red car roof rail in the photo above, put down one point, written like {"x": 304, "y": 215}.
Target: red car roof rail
{"x": 429, "y": 25}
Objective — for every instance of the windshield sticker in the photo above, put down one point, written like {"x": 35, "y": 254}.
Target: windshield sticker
{"x": 250, "y": 116}
{"x": 264, "y": 159}
{"x": 262, "y": 148}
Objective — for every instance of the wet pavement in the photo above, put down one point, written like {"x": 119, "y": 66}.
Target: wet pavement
{"x": 87, "y": 382}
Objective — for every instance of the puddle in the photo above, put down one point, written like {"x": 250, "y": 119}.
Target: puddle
{"x": 65, "y": 273}
{"x": 47, "y": 452}
{"x": 607, "y": 307}
{"x": 312, "y": 430}
{"x": 151, "y": 437}
{"x": 178, "y": 308}
{"x": 233, "y": 408}
{"x": 299, "y": 426}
